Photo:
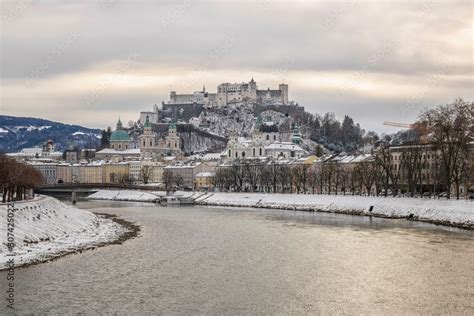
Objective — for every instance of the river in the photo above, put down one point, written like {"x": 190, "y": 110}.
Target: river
{"x": 203, "y": 260}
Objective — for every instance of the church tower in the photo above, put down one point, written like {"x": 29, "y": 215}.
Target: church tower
{"x": 173, "y": 142}
{"x": 147, "y": 140}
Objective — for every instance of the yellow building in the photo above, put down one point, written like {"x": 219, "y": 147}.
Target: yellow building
{"x": 90, "y": 173}
{"x": 63, "y": 173}
{"x": 115, "y": 173}
{"x": 204, "y": 181}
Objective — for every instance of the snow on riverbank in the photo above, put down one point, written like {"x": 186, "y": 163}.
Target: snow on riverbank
{"x": 123, "y": 195}
{"x": 46, "y": 228}
{"x": 138, "y": 196}
{"x": 447, "y": 212}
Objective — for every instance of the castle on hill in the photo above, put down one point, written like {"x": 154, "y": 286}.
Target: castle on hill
{"x": 229, "y": 93}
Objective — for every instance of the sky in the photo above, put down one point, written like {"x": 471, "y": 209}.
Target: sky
{"x": 89, "y": 62}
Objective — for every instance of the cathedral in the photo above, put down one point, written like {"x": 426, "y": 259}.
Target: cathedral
{"x": 154, "y": 147}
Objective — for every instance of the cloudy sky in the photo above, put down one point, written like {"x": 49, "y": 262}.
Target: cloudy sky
{"x": 87, "y": 62}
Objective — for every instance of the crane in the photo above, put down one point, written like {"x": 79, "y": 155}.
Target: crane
{"x": 402, "y": 125}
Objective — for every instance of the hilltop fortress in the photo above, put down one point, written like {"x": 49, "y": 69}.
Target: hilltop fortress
{"x": 229, "y": 93}
{"x": 186, "y": 108}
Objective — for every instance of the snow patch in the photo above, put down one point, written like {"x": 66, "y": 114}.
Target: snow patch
{"x": 123, "y": 195}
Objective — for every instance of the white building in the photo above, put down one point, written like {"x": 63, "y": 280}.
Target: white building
{"x": 266, "y": 141}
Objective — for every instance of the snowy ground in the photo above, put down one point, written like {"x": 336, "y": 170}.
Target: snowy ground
{"x": 447, "y": 212}
{"x": 123, "y": 195}
{"x": 137, "y": 196}
{"x": 46, "y": 228}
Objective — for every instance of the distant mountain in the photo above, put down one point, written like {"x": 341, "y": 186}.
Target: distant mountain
{"x": 17, "y": 133}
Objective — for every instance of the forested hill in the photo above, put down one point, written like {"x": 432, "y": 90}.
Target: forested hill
{"x": 22, "y": 132}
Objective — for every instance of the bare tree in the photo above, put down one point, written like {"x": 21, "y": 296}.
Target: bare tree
{"x": 451, "y": 129}
{"x": 178, "y": 180}
{"x": 168, "y": 179}
{"x": 411, "y": 164}
{"x": 313, "y": 179}
{"x": 223, "y": 178}
{"x": 284, "y": 177}
{"x": 145, "y": 173}
{"x": 299, "y": 177}
{"x": 252, "y": 174}
{"x": 365, "y": 174}
{"x": 16, "y": 178}
{"x": 391, "y": 174}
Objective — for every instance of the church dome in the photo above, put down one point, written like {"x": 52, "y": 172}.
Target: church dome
{"x": 119, "y": 134}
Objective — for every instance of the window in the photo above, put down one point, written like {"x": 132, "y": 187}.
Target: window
{"x": 260, "y": 151}
{"x": 274, "y": 137}
{"x": 268, "y": 137}
{"x": 151, "y": 143}
{"x": 230, "y": 153}
{"x": 254, "y": 152}
{"x": 175, "y": 145}
{"x": 243, "y": 154}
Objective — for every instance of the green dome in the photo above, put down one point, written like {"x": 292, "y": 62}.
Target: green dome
{"x": 120, "y": 135}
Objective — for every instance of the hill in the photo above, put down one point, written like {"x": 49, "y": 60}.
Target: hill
{"x": 17, "y": 133}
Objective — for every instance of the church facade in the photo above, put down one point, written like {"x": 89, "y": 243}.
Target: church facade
{"x": 266, "y": 141}
{"x": 154, "y": 147}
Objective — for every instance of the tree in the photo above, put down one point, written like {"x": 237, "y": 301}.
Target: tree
{"x": 411, "y": 165}
{"x": 145, "y": 173}
{"x": 252, "y": 174}
{"x": 391, "y": 174}
{"x": 299, "y": 176}
{"x": 16, "y": 178}
{"x": 451, "y": 129}
{"x": 223, "y": 178}
{"x": 168, "y": 179}
{"x": 178, "y": 180}
{"x": 105, "y": 139}
{"x": 365, "y": 173}
{"x": 284, "y": 177}
{"x": 313, "y": 179}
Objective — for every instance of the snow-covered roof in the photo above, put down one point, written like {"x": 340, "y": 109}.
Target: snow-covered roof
{"x": 283, "y": 145}
{"x": 133, "y": 151}
{"x": 212, "y": 156}
{"x": 205, "y": 174}
{"x": 34, "y": 150}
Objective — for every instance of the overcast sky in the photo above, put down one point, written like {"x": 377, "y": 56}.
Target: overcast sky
{"x": 87, "y": 62}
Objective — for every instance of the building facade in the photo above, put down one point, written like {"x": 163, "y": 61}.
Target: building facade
{"x": 229, "y": 93}
{"x": 154, "y": 147}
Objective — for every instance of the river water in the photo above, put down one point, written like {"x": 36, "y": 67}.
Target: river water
{"x": 200, "y": 260}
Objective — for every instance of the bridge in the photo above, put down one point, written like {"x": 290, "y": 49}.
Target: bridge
{"x": 88, "y": 188}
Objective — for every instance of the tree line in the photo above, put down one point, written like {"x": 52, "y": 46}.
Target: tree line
{"x": 16, "y": 178}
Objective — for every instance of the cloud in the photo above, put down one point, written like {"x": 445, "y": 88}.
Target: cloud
{"x": 360, "y": 58}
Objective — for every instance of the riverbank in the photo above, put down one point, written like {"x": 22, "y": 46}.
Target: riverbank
{"x": 437, "y": 211}
{"x": 46, "y": 229}
{"x": 443, "y": 212}
{"x": 137, "y": 196}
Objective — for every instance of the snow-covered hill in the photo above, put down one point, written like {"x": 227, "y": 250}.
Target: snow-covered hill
{"x": 17, "y": 133}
